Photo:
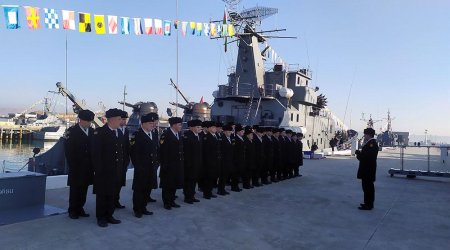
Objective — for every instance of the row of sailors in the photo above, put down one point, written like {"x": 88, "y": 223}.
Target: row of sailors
{"x": 208, "y": 155}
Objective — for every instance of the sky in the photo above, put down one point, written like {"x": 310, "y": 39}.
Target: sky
{"x": 366, "y": 57}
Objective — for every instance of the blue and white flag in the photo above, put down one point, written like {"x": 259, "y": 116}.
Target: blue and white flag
{"x": 11, "y": 16}
{"x": 167, "y": 27}
{"x": 125, "y": 25}
{"x": 138, "y": 27}
{"x": 206, "y": 29}
{"x": 51, "y": 19}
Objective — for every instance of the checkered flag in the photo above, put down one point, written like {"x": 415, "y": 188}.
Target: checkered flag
{"x": 51, "y": 19}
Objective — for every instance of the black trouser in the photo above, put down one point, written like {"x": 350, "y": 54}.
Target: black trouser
{"x": 189, "y": 189}
{"x": 369, "y": 192}
{"x": 140, "y": 198}
{"x": 168, "y": 195}
{"x": 208, "y": 185}
{"x": 105, "y": 205}
{"x": 77, "y": 199}
{"x": 234, "y": 180}
{"x": 296, "y": 169}
{"x": 119, "y": 188}
{"x": 222, "y": 182}
{"x": 263, "y": 173}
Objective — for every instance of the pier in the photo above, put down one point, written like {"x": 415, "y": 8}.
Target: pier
{"x": 16, "y": 133}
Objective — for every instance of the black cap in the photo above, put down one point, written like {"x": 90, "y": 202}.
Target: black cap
{"x": 124, "y": 114}
{"x": 369, "y": 131}
{"x": 268, "y": 129}
{"x": 227, "y": 128}
{"x": 288, "y": 131}
{"x": 150, "y": 117}
{"x": 174, "y": 120}
{"x": 86, "y": 115}
{"x": 219, "y": 124}
{"x": 300, "y": 134}
{"x": 275, "y": 130}
{"x": 113, "y": 113}
{"x": 248, "y": 130}
{"x": 231, "y": 123}
{"x": 238, "y": 128}
{"x": 204, "y": 124}
{"x": 209, "y": 124}
{"x": 281, "y": 129}
{"x": 194, "y": 123}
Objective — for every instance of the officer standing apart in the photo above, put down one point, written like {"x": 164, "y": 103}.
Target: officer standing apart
{"x": 367, "y": 168}
{"x": 107, "y": 157}
{"x": 78, "y": 155}
{"x": 145, "y": 158}
{"x": 125, "y": 136}
{"x": 171, "y": 159}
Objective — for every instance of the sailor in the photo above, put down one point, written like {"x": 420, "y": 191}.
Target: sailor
{"x": 211, "y": 158}
{"x": 192, "y": 146}
{"x": 367, "y": 168}
{"x": 145, "y": 159}
{"x": 259, "y": 157}
{"x": 238, "y": 168}
{"x": 226, "y": 151}
{"x": 289, "y": 152}
{"x": 284, "y": 153}
{"x": 171, "y": 159}
{"x": 78, "y": 155}
{"x": 275, "y": 174}
{"x": 107, "y": 157}
{"x": 268, "y": 155}
{"x": 125, "y": 140}
{"x": 250, "y": 167}
{"x": 154, "y": 181}
{"x": 299, "y": 156}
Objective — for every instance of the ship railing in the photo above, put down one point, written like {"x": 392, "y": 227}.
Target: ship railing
{"x": 425, "y": 160}
{"x": 270, "y": 90}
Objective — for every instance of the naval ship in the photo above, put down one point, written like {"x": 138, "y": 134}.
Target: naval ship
{"x": 279, "y": 97}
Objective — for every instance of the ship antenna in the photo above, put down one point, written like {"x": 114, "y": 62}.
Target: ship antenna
{"x": 349, "y": 93}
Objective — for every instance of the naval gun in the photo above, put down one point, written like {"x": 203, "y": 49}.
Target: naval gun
{"x": 139, "y": 109}
{"x": 77, "y": 105}
{"x": 192, "y": 110}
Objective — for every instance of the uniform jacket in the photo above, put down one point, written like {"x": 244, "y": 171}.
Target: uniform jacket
{"x": 249, "y": 154}
{"x": 78, "y": 155}
{"x": 226, "y": 149}
{"x": 238, "y": 155}
{"x": 268, "y": 146}
{"x": 126, "y": 155}
{"x": 368, "y": 161}
{"x": 211, "y": 156}
{"x": 192, "y": 146}
{"x": 171, "y": 160}
{"x": 107, "y": 157}
{"x": 145, "y": 161}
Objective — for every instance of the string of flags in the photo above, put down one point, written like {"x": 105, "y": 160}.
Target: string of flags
{"x": 273, "y": 55}
{"x": 110, "y": 24}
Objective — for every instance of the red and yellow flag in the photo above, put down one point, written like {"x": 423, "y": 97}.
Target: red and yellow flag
{"x": 33, "y": 19}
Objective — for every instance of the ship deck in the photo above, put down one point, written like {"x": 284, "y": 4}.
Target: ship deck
{"x": 316, "y": 211}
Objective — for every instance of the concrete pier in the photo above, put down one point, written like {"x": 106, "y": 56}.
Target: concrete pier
{"x": 316, "y": 211}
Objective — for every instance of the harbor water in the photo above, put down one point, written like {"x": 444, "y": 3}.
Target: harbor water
{"x": 14, "y": 155}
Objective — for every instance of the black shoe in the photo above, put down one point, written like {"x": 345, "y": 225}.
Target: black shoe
{"x": 365, "y": 207}
{"x": 174, "y": 205}
{"x": 227, "y": 193}
{"x": 188, "y": 201}
{"x": 73, "y": 216}
{"x": 146, "y": 212}
{"x": 102, "y": 223}
{"x": 138, "y": 214}
{"x": 167, "y": 206}
{"x": 213, "y": 196}
{"x": 113, "y": 220}
{"x": 195, "y": 200}
{"x": 236, "y": 189}
{"x": 83, "y": 214}
{"x": 208, "y": 197}
{"x": 221, "y": 193}
{"x": 119, "y": 206}
{"x": 149, "y": 199}
{"x": 246, "y": 187}
{"x": 257, "y": 185}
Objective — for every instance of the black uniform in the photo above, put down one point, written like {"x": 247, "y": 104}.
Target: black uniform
{"x": 171, "y": 160}
{"x": 277, "y": 160}
{"x": 367, "y": 170}
{"x": 259, "y": 160}
{"x": 81, "y": 171}
{"x": 239, "y": 167}
{"x": 211, "y": 163}
{"x": 292, "y": 157}
{"x": 226, "y": 151}
{"x": 299, "y": 157}
{"x": 285, "y": 153}
{"x": 250, "y": 165}
{"x": 125, "y": 136}
{"x": 192, "y": 146}
{"x": 268, "y": 159}
{"x": 107, "y": 157}
{"x": 145, "y": 158}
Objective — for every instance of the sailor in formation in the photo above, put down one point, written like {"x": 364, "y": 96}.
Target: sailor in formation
{"x": 125, "y": 142}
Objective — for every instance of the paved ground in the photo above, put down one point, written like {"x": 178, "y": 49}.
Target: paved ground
{"x": 316, "y": 211}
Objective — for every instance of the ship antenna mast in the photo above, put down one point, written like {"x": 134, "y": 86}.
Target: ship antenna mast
{"x": 124, "y": 94}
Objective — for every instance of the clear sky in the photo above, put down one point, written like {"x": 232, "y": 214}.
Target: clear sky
{"x": 395, "y": 55}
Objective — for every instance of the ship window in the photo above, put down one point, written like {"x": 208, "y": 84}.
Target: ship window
{"x": 321, "y": 141}
{"x": 298, "y": 116}
{"x": 307, "y": 142}
{"x": 292, "y": 117}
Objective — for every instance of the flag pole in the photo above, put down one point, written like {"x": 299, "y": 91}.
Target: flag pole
{"x": 176, "y": 90}
{"x": 66, "y": 78}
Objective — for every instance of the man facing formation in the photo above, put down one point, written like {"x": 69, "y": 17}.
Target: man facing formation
{"x": 145, "y": 158}
{"x": 367, "y": 168}
{"x": 171, "y": 159}
{"x": 81, "y": 171}
{"x": 107, "y": 157}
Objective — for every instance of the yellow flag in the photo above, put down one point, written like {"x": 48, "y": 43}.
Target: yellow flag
{"x": 231, "y": 31}
{"x": 99, "y": 21}
{"x": 85, "y": 22}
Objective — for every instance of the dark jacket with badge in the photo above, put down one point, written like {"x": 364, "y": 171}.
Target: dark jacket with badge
{"x": 192, "y": 146}
{"x": 78, "y": 155}
{"x": 107, "y": 157}
{"x": 368, "y": 161}
{"x": 277, "y": 154}
{"x": 268, "y": 147}
{"x": 259, "y": 152}
{"x": 238, "y": 156}
{"x": 145, "y": 160}
{"x": 171, "y": 159}
{"x": 211, "y": 156}
{"x": 126, "y": 155}
{"x": 249, "y": 154}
